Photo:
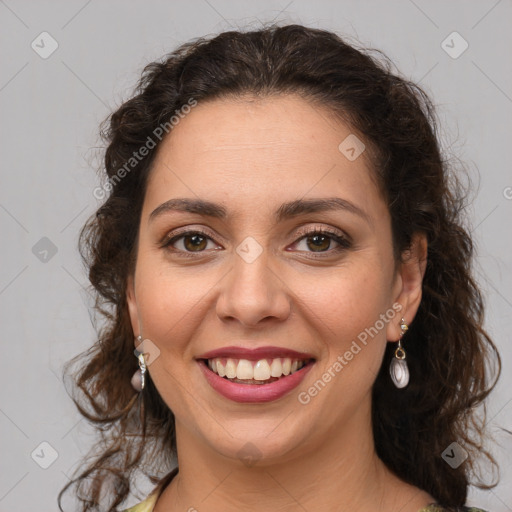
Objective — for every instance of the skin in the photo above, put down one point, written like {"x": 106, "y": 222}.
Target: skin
{"x": 251, "y": 155}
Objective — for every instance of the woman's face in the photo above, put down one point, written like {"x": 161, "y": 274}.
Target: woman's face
{"x": 255, "y": 278}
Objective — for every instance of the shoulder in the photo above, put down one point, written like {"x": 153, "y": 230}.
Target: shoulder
{"x": 439, "y": 508}
{"x": 144, "y": 506}
{"x": 149, "y": 503}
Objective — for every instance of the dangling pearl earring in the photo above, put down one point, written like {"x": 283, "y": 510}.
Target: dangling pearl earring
{"x": 398, "y": 368}
{"x": 138, "y": 380}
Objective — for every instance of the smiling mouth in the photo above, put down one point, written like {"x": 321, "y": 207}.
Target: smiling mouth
{"x": 263, "y": 371}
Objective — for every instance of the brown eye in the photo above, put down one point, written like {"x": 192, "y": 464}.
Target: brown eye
{"x": 319, "y": 243}
{"x": 189, "y": 242}
{"x": 195, "y": 242}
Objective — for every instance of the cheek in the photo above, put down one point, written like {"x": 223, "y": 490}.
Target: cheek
{"x": 171, "y": 303}
{"x": 171, "y": 309}
{"x": 350, "y": 310}
{"x": 345, "y": 301}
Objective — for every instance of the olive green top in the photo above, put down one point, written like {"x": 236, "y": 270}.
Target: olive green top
{"x": 149, "y": 503}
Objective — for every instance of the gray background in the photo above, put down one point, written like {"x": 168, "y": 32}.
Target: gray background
{"x": 51, "y": 109}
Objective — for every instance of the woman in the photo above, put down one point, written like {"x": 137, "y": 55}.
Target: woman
{"x": 281, "y": 244}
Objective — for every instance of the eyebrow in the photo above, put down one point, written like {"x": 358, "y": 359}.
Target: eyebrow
{"x": 287, "y": 210}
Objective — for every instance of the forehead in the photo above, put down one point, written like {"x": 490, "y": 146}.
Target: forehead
{"x": 242, "y": 150}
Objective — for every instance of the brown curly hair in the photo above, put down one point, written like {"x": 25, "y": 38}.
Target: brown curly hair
{"x": 452, "y": 360}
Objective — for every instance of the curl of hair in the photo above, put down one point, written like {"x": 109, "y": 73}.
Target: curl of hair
{"x": 451, "y": 358}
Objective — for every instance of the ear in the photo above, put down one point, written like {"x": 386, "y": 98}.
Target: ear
{"x": 132, "y": 305}
{"x": 409, "y": 282}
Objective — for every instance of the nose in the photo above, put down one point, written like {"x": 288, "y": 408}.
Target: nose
{"x": 253, "y": 294}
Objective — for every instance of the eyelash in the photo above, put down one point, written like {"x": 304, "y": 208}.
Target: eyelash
{"x": 342, "y": 241}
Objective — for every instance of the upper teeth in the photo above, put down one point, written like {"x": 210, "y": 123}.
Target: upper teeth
{"x": 258, "y": 370}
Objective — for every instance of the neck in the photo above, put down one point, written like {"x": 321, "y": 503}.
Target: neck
{"x": 337, "y": 471}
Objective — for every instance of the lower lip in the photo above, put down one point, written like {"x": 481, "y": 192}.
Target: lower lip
{"x": 250, "y": 393}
